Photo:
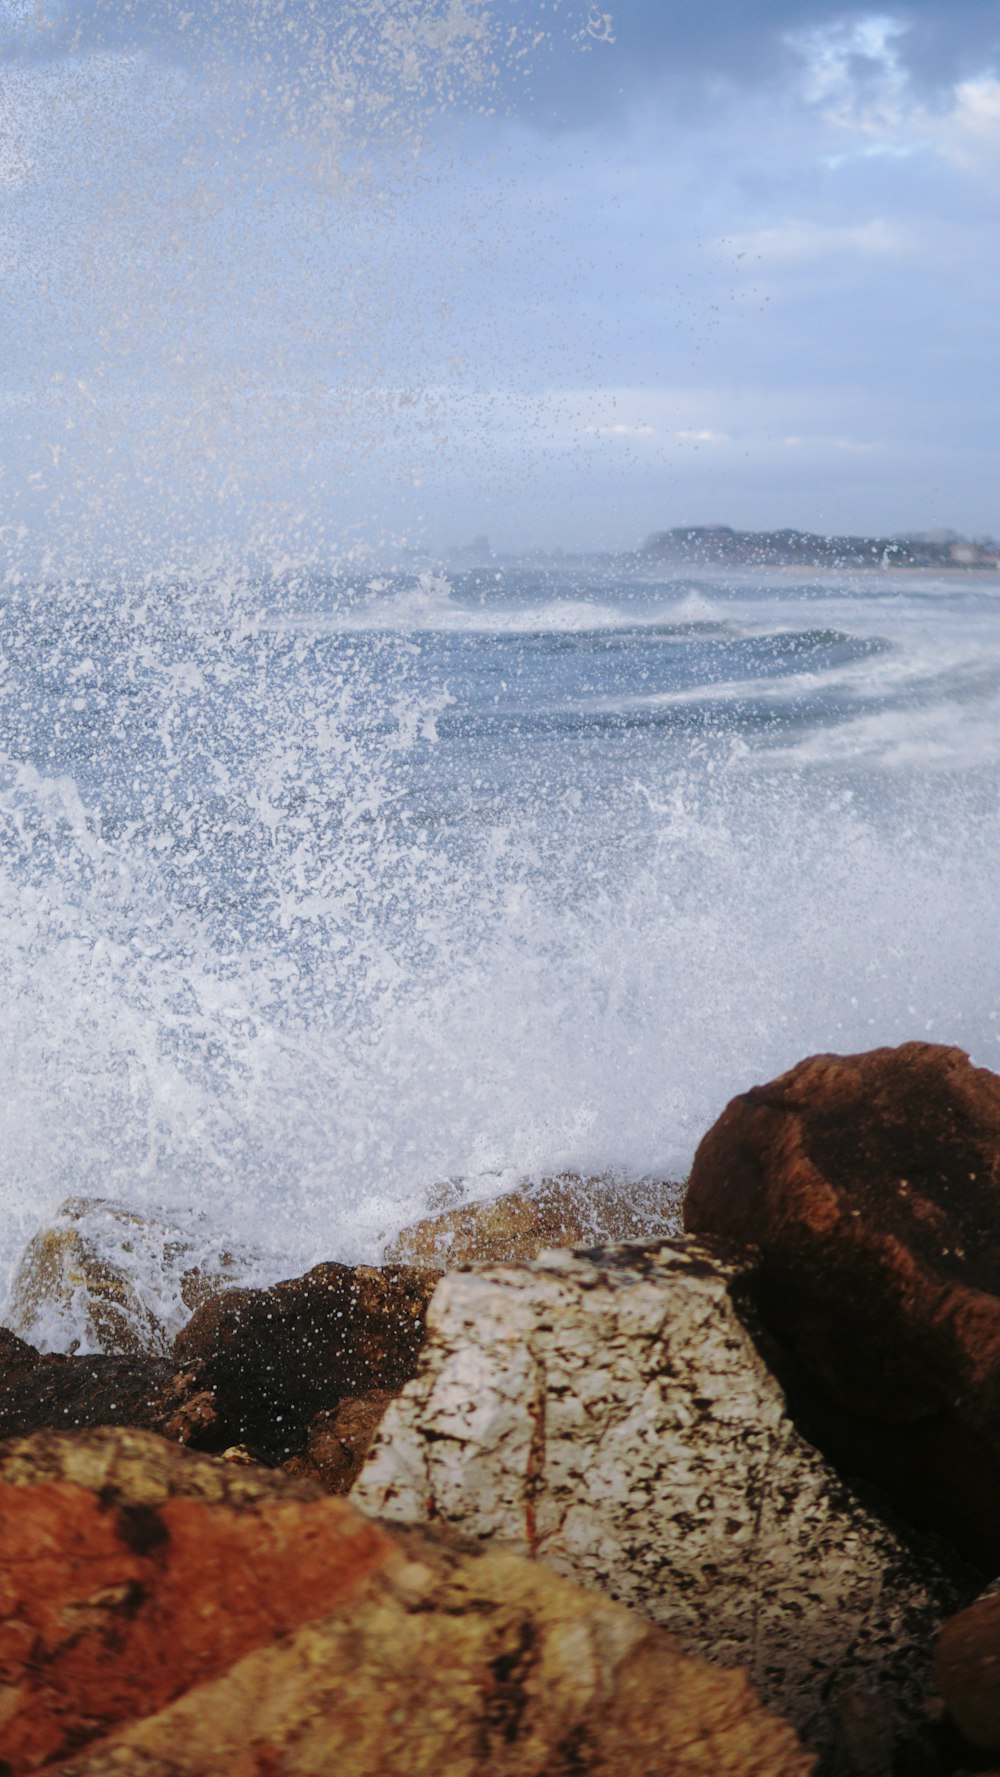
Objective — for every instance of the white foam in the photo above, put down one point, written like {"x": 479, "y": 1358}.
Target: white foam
{"x": 433, "y": 604}
{"x": 581, "y": 986}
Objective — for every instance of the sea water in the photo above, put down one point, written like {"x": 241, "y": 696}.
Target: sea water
{"x": 318, "y": 887}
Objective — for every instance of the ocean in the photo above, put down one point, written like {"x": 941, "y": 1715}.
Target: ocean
{"x": 317, "y": 889}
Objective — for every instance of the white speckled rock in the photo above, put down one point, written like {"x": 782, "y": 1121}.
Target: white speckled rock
{"x": 610, "y": 1414}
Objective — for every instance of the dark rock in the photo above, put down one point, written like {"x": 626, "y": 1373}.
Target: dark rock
{"x": 61, "y": 1393}
{"x": 967, "y": 1668}
{"x": 16, "y": 1357}
{"x": 275, "y": 1358}
{"x": 871, "y": 1185}
{"x": 253, "y": 1368}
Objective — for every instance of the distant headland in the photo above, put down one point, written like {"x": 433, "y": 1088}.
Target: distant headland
{"x": 720, "y": 545}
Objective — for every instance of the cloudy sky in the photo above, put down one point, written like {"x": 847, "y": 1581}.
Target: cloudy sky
{"x": 300, "y": 273}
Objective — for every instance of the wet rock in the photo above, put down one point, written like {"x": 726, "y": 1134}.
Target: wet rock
{"x": 171, "y": 1615}
{"x": 339, "y": 1440}
{"x": 564, "y": 1211}
{"x": 275, "y": 1358}
{"x": 63, "y": 1393}
{"x": 61, "y": 1275}
{"x": 871, "y": 1185}
{"x": 967, "y": 1667}
{"x": 610, "y": 1414}
{"x": 16, "y": 1356}
{"x": 103, "y": 1277}
{"x": 255, "y": 1368}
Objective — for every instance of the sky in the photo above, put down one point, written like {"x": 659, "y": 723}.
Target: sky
{"x": 320, "y": 275}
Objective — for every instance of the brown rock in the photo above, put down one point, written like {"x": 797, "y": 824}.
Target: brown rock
{"x": 117, "y": 1280}
{"x": 229, "y": 1620}
{"x": 564, "y": 1211}
{"x": 60, "y": 1267}
{"x": 967, "y": 1668}
{"x": 135, "y": 1469}
{"x": 253, "y": 1367}
{"x": 127, "y": 1575}
{"x": 871, "y": 1185}
{"x": 339, "y": 1440}
{"x": 275, "y": 1358}
{"x": 484, "y": 1683}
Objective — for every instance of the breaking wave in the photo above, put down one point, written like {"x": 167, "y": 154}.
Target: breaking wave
{"x": 298, "y": 916}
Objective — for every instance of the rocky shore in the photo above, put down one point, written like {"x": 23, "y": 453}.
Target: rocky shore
{"x": 559, "y": 1488}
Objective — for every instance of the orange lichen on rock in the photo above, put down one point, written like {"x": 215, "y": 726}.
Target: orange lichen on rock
{"x": 109, "y": 1610}
{"x": 172, "y": 1615}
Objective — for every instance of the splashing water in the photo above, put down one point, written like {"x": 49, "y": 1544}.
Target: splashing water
{"x": 325, "y": 872}
{"x": 314, "y": 893}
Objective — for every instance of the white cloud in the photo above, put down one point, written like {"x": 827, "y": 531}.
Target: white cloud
{"x": 618, "y": 430}
{"x": 855, "y": 77}
{"x": 969, "y": 133}
{"x": 856, "y": 447}
{"x": 819, "y": 444}
{"x": 800, "y": 242}
{"x": 853, "y": 71}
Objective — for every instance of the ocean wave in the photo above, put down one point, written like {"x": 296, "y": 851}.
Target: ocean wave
{"x": 294, "y": 923}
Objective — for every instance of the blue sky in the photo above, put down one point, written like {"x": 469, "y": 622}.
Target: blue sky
{"x": 300, "y": 274}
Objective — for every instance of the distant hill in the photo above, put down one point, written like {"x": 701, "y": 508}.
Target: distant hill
{"x": 721, "y": 546}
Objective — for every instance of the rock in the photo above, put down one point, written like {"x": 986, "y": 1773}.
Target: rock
{"x": 276, "y": 1358}
{"x": 106, "y": 1278}
{"x": 254, "y": 1368}
{"x": 339, "y": 1440}
{"x": 133, "y": 1468}
{"x": 967, "y": 1668}
{"x": 871, "y": 1185}
{"x": 170, "y": 1615}
{"x": 563, "y": 1211}
{"x": 610, "y": 1414}
{"x": 63, "y": 1393}
{"x": 484, "y": 1683}
{"x": 128, "y": 1574}
{"x": 16, "y": 1357}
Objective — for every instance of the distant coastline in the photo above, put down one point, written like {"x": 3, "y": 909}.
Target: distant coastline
{"x": 721, "y": 546}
